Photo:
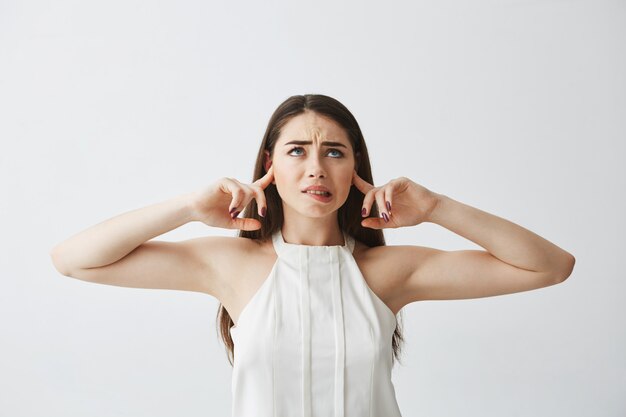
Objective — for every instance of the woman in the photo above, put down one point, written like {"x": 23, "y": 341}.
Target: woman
{"x": 312, "y": 287}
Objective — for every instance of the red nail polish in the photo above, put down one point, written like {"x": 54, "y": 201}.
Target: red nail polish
{"x": 263, "y": 211}
{"x": 388, "y": 206}
{"x": 363, "y": 212}
{"x": 385, "y": 217}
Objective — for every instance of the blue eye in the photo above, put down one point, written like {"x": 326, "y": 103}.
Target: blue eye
{"x": 330, "y": 150}
{"x": 293, "y": 149}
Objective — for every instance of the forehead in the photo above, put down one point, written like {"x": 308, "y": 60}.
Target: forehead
{"x": 311, "y": 126}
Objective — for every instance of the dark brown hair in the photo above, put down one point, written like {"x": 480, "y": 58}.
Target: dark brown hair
{"x": 349, "y": 215}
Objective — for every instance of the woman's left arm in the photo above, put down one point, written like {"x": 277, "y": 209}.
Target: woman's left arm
{"x": 505, "y": 240}
{"x": 515, "y": 259}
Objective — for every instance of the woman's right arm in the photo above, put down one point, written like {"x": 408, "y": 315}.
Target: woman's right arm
{"x": 118, "y": 251}
{"x": 112, "y": 239}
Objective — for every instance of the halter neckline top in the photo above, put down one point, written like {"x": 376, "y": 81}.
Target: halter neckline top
{"x": 314, "y": 340}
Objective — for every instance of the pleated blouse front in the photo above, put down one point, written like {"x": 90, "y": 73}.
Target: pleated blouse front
{"x": 314, "y": 340}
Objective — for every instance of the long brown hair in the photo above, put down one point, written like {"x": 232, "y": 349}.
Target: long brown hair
{"x": 349, "y": 215}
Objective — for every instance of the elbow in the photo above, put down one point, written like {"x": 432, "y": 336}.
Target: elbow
{"x": 567, "y": 269}
{"x": 59, "y": 264}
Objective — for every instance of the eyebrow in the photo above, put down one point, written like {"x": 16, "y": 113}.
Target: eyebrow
{"x": 325, "y": 143}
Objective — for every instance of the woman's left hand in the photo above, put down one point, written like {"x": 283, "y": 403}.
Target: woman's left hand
{"x": 404, "y": 202}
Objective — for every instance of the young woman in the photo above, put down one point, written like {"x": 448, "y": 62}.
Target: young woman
{"x": 309, "y": 290}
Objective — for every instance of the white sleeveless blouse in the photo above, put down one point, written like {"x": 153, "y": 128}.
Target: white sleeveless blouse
{"x": 314, "y": 340}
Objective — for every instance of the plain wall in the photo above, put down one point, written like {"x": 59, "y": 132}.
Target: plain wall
{"x": 514, "y": 107}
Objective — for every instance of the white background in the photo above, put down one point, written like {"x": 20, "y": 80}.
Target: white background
{"x": 515, "y": 107}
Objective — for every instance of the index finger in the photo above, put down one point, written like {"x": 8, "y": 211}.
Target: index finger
{"x": 266, "y": 179}
{"x": 360, "y": 183}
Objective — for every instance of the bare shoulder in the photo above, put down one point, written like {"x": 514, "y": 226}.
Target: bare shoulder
{"x": 397, "y": 259}
{"x": 418, "y": 273}
{"x": 387, "y": 270}
{"x": 208, "y": 265}
{"x": 234, "y": 262}
{"x": 242, "y": 265}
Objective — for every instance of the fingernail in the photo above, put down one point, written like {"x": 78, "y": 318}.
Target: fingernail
{"x": 385, "y": 217}
{"x": 234, "y": 214}
{"x": 232, "y": 210}
{"x": 388, "y": 206}
{"x": 263, "y": 211}
{"x": 363, "y": 212}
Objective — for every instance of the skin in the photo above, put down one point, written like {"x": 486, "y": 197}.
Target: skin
{"x": 296, "y": 166}
{"x": 121, "y": 251}
{"x": 306, "y": 220}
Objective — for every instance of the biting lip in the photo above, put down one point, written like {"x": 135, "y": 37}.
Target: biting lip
{"x": 317, "y": 188}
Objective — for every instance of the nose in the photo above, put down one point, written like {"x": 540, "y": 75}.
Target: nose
{"x": 315, "y": 168}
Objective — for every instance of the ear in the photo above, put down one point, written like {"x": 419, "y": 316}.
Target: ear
{"x": 267, "y": 163}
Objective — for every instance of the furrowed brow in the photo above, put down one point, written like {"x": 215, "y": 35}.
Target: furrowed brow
{"x": 325, "y": 143}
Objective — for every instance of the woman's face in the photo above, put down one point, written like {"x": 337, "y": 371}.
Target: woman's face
{"x": 299, "y": 165}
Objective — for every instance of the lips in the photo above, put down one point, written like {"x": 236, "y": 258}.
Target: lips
{"x": 325, "y": 198}
{"x": 317, "y": 188}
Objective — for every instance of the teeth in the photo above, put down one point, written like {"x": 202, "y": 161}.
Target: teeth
{"x": 318, "y": 192}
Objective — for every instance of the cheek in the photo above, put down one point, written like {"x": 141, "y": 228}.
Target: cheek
{"x": 283, "y": 175}
{"x": 284, "y": 179}
{"x": 347, "y": 178}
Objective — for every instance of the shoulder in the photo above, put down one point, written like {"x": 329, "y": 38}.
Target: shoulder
{"x": 385, "y": 257}
{"x": 387, "y": 269}
{"x": 213, "y": 247}
{"x": 219, "y": 250}
{"x": 233, "y": 244}
{"x": 226, "y": 258}
{"x": 391, "y": 255}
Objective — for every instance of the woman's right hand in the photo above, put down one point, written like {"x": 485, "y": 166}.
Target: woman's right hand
{"x": 219, "y": 204}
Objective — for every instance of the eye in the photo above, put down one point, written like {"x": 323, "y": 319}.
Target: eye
{"x": 330, "y": 150}
{"x": 293, "y": 149}
{"x": 338, "y": 151}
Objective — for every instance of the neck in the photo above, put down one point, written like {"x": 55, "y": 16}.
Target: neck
{"x": 313, "y": 232}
